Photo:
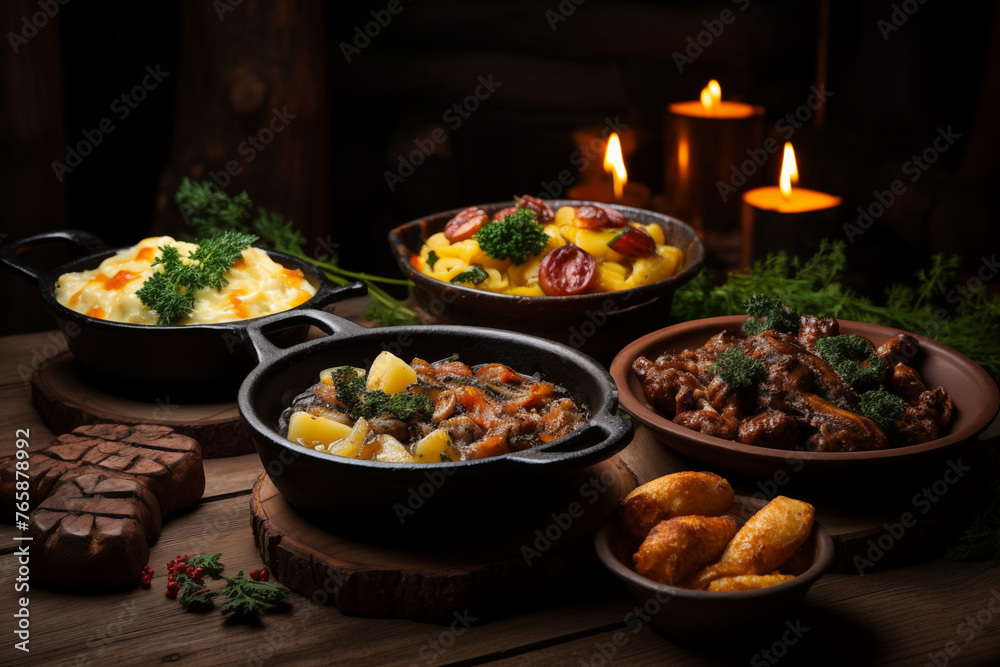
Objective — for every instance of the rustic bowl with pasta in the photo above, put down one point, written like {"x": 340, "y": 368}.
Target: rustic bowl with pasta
{"x": 595, "y": 322}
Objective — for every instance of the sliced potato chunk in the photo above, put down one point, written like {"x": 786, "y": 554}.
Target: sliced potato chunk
{"x": 392, "y": 450}
{"x": 350, "y": 446}
{"x": 390, "y": 374}
{"x": 436, "y": 447}
{"x": 311, "y": 430}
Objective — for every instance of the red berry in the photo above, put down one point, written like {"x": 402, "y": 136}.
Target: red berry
{"x": 265, "y": 575}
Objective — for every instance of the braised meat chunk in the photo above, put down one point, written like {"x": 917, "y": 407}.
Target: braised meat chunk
{"x": 814, "y": 389}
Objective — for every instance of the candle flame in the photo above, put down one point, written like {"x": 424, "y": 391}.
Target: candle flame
{"x": 789, "y": 171}
{"x": 711, "y": 95}
{"x": 615, "y": 163}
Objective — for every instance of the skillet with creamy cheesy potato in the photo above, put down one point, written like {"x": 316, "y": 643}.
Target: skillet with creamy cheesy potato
{"x": 256, "y": 286}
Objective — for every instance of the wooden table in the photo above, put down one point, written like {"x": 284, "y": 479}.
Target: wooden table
{"x": 937, "y": 612}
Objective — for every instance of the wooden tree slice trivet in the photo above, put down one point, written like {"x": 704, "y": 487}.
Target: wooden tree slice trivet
{"x": 65, "y": 400}
{"x": 432, "y": 581}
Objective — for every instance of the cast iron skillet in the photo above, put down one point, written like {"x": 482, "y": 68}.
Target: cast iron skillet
{"x": 177, "y": 363}
{"x": 353, "y": 494}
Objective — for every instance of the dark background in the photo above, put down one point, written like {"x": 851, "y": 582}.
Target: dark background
{"x": 231, "y": 64}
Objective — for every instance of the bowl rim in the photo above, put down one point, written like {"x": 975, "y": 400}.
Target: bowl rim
{"x": 822, "y": 562}
{"x": 694, "y": 256}
{"x": 613, "y": 427}
{"x": 621, "y": 371}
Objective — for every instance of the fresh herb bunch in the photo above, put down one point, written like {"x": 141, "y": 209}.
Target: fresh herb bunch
{"x": 738, "y": 370}
{"x": 853, "y": 358}
{"x": 475, "y": 274}
{"x": 249, "y": 597}
{"x": 814, "y": 286}
{"x": 209, "y": 210}
{"x": 515, "y": 237}
{"x": 171, "y": 291}
{"x": 402, "y": 405}
{"x": 767, "y": 312}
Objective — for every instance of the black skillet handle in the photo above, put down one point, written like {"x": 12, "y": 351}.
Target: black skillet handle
{"x": 328, "y": 292}
{"x": 267, "y": 351}
{"x": 10, "y": 254}
{"x": 612, "y": 432}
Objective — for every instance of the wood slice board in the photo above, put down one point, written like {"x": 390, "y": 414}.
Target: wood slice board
{"x": 897, "y": 520}
{"x": 432, "y": 581}
{"x": 65, "y": 401}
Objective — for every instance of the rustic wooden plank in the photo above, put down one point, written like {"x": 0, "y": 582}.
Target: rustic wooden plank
{"x": 133, "y": 625}
{"x": 884, "y": 619}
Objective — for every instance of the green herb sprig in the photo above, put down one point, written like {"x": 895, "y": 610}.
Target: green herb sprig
{"x": 210, "y": 211}
{"x": 171, "y": 292}
{"x": 248, "y": 597}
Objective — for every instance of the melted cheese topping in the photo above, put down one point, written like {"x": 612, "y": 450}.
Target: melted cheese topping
{"x": 257, "y": 286}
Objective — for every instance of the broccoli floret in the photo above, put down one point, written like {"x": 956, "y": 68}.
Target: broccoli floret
{"x": 515, "y": 237}
{"x": 738, "y": 370}
{"x": 475, "y": 274}
{"x": 853, "y": 358}
{"x": 402, "y": 405}
{"x": 881, "y": 407}
{"x": 349, "y": 386}
{"x": 775, "y": 315}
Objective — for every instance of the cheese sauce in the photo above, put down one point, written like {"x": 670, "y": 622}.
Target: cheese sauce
{"x": 257, "y": 286}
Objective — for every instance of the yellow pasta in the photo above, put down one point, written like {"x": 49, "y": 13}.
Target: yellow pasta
{"x": 614, "y": 271}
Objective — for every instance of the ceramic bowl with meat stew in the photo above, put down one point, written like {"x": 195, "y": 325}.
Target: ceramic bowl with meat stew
{"x": 832, "y": 400}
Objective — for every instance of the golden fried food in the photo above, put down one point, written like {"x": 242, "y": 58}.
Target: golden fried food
{"x": 676, "y": 494}
{"x": 764, "y": 542}
{"x": 675, "y": 549}
{"x": 749, "y": 582}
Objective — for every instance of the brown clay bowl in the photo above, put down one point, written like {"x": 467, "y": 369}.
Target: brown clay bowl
{"x": 689, "y": 616}
{"x": 972, "y": 390}
{"x": 597, "y": 324}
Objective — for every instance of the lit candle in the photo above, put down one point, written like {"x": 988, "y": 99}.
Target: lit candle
{"x": 711, "y": 105}
{"x": 620, "y": 190}
{"x": 786, "y": 216}
{"x": 707, "y": 142}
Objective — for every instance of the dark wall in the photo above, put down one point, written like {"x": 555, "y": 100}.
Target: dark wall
{"x": 551, "y": 69}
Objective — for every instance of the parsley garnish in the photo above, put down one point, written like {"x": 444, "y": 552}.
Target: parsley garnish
{"x": 475, "y": 274}
{"x": 171, "y": 291}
